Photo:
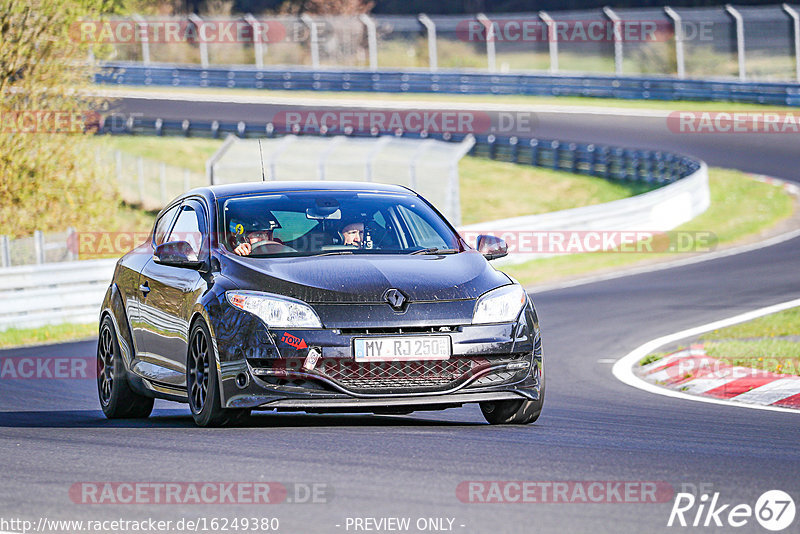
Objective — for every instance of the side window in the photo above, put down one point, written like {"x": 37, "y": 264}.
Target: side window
{"x": 189, "y": 227}
{"x": 163, "y": 224}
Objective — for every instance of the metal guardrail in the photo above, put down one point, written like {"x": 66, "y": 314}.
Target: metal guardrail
{"x": 33, "y": 295}
{"x": 655, "y": 211}
{"x": 605, "y": 161}
{"x": 292, "y": 78}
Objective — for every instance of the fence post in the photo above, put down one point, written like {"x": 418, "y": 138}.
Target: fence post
{"x": 534, "y": 152}
{"x": 617, "y": 22}
{"x": 38, "y": 246}
{"x": 490, "y": 50}
{"x": 430, "y": 26}
{"x": 792, "y": 12}
{"x": 372, "y": 40}
{"x": 71, "y": 241}
{"x": 552, "y": 40}
{"x": 5, "y": 251}
{"x": 163, "y": 181}
{"x": 739, "y": 38}
{"x": 323, "y": 157}
{"x": 379, "y": 144}
{"x": 141, "y": 26}
{"x": 556, "y": 157}
{"x": 140, "y": 172}
{"x": 198, "y": 23}
{"x": 415, "y": 157}
{"x": 313, "y": 39}
{"x": 212, "y": 161}
{"x": 258, "y": 44}
{"x": 678, "y": 29}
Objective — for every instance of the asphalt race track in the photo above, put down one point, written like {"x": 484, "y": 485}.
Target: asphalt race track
{"x": 593, "y": 427}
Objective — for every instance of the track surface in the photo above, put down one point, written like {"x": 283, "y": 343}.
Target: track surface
{"x": 593, "y": 427}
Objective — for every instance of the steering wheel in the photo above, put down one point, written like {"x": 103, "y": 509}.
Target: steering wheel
{"x": 269, "y": 247}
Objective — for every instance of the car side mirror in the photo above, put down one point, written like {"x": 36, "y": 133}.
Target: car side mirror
{"x": 177, "y": 254}
{"x": 492, "y": 247}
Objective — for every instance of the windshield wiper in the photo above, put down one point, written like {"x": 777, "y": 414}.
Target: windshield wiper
{"x": 434, "y": 250}
{"x": 334, "y": 253}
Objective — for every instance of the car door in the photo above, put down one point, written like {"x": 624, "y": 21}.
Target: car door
{"x": 132, "y": 285}
{"x": 171, "y": 293}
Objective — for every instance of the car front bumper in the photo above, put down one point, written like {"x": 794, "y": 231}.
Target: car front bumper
{"x": 267, "y": 369}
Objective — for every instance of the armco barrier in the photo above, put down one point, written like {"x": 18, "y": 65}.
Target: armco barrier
{"x": 465, "y": 82}
{"x": 610, "y": 162}
{"x": 33, "y": 295}
{"x": 658, "y": 210}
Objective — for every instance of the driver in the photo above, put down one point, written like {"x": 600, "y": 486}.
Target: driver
{"x": 259, "y": 234}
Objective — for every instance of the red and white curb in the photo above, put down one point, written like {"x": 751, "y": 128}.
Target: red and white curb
{"x": 746, "y": 390}
{"x": 695, "y": 372}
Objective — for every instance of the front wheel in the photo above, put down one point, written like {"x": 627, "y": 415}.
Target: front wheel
{"x": 202, "y": 383}
{"x": 117, "y": 399}
{"x": 514, "y": 412}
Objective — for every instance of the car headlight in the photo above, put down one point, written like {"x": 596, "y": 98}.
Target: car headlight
{"x": 275, "y": 311}
{"x": 501, "y": 305}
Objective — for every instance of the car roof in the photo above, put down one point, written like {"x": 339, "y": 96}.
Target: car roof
{"x": 247, "y": 188}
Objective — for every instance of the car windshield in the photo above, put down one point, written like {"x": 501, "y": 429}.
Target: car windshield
{"x": 308, "y": 223}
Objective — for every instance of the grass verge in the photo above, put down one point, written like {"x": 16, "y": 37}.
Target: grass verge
{"x": 769, "y": 343}
{"x": 740, "y": 207}
{"x": 14, "y": 337}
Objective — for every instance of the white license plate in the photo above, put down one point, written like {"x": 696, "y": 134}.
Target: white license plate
{"x": 402, "y": 348}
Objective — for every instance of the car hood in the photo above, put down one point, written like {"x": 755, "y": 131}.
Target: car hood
{"x": 365, "y": 278}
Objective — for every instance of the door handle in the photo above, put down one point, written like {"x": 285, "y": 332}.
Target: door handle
{"x": 144, "y": 288}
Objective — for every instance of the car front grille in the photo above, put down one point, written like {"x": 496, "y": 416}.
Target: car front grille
{"x": 396, "y": 376}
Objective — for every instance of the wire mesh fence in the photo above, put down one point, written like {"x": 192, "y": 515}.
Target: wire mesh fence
{"x": 726, "y": 41}
{"x": 427, "y": 166}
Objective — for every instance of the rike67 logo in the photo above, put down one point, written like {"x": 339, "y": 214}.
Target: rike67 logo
{"x": 774, "y": 510}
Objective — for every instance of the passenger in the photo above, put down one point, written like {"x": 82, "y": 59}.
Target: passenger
{"x": 353, "y": 234}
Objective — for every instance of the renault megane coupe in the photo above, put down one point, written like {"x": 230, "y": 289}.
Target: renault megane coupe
{"x": 315, "y": 297}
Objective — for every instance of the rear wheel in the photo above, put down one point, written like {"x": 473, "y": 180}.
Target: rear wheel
{"x": 117, "y": 399}
{"x": 202, "y": 383}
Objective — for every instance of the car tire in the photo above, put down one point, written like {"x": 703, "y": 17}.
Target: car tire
{"x": 514, "y": 412}
{"x": 117, "y": 399}
{"x": 202, "y": 383}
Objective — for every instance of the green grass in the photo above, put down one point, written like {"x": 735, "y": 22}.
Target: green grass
{"x": 740, "y": 207}
{"x": 785, "y": 323}
{"x": 492, "y": 190}
{"x": 667, "y": 105}
{"x": 489, "y": 189}
{"x": 190, "y": 153}
{"x": 769, "y": 354}
{"x": 14, "y": 337}
{"x": 760, "y": 343}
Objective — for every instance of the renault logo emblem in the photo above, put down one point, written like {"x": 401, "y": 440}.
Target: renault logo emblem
{"x": 395, "y": 298}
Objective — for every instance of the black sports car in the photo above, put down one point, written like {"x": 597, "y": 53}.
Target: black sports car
{"x": 315, "y": 297}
